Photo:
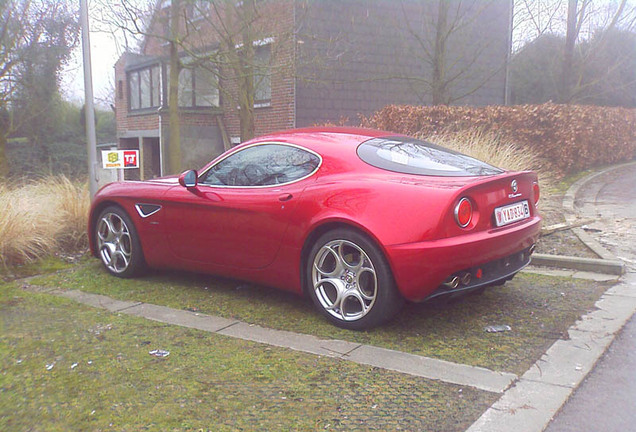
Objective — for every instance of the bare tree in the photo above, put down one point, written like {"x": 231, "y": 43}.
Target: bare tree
{"x": 585, "y": 25}
{"x": 36, "y": 40}
{"x": 220, "y": 36}
{"x": 448, "y": 48}
{"x": 12, "y": 28}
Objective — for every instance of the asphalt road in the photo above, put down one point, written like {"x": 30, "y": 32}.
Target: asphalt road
{"x": 606, "y": 401}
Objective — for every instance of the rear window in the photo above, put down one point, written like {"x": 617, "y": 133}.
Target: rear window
{"x": 412, "y": 156}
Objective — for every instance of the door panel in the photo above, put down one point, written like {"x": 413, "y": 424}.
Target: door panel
{"x": 233, "y": 227}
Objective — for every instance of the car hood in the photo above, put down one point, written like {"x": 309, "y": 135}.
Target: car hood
{"x": 173, "y": 179}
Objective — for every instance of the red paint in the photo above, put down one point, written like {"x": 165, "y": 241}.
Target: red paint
{"x": 258, "y": 234}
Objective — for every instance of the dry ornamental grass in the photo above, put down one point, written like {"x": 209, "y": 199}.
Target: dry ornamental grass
{"x": 41, "y": 217}
{"x": 492, "y": 149}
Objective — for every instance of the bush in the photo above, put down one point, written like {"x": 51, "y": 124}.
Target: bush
{"x": 567, "y": 138}
{"x": 41, "y": 217}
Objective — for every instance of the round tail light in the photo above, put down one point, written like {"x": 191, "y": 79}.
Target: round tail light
{"x": 463, "y": 212}
{"x": 537, "y": 192}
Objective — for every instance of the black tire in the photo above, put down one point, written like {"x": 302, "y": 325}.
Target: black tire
{"x": 117, "y": 243}
{"x": 370, "y": 296}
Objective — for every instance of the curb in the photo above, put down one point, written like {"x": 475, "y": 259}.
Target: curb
{"x": 606, "y": 266}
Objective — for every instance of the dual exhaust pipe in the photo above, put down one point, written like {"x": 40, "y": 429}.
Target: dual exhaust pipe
{"x": 464, "y": 278}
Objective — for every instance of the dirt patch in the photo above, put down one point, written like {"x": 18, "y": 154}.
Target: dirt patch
{"x": 560, "y": 242}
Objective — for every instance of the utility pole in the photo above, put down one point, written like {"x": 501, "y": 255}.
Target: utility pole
{"x": 91, "y": 140}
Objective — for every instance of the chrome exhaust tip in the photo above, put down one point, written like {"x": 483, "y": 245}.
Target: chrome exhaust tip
{"x": 452, "y": 282}
{"x": 466, "y": 278}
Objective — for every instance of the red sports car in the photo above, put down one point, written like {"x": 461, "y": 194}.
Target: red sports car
{"x": 359, "y": 220}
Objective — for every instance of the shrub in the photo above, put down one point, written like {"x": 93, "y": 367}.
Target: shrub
{"x": 42, "y": 217}
{"x": 566, "y": 138}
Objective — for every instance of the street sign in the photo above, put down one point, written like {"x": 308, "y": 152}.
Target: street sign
{"x": 112, "y": 159}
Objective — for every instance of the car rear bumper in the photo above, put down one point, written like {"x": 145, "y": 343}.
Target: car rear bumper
{"x": 421, "y": 268}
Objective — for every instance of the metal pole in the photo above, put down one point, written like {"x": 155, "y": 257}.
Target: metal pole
{"x": 91, "y": 140}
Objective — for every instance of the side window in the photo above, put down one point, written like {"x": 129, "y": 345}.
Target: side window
{"x": 262, "y": 165}
{"x": 262, "y": 76}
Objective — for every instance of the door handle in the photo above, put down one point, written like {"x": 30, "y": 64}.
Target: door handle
{"x": 285, "y": 197}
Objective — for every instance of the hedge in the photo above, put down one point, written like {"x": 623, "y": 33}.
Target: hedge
{"x": 567, "y": 138}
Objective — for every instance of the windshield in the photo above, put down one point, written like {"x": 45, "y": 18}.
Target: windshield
{"x": 412, "y": 156}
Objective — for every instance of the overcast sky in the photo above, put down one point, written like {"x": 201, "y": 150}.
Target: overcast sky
{"x": 104, "y": 54}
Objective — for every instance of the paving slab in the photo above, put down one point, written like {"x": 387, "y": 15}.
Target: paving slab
{"x": 96, "y": 300}
{"x": 179, "y": 317}
{"x": 612, "y": 313}
{"x": 412, "y": 364}
{"x": 567, "y": 362}
{"x": 526, "y": 407}
{"x": 299, "y": 342}
{"x": 595, "y": 265}
{"x": 596, "y": 277}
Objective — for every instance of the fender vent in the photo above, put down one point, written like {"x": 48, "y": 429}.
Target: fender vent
{"x": 146, "y": 210}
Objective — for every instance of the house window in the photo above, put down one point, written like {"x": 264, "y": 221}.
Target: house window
{"x": 144, "y": 86}
{"x": 155, "y": 76}
{"x": 198, "y": 87}
{"x": 262, "y": 76}
{"x": 186, "y": 88}
{"x": 133, "y": 82}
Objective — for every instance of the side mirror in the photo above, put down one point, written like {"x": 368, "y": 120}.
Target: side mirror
{"x": 188, "y": 179}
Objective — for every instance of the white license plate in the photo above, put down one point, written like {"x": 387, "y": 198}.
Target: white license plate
{"x": 512, "y": 213}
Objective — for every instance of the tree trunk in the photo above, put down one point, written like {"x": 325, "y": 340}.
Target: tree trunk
{"x": 4, "y": 164}
{"x": 246, "y": 86}
{"x": 438, "y": 84}
{"x": 565, "y": 90}
{"x": 174, "y": 143}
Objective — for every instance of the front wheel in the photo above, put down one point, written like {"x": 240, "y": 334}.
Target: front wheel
{"x": 118, "y": 243}
{"x": 350, "y": 281}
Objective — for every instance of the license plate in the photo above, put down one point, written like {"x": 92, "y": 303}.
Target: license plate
{"x": 512, "y": 213}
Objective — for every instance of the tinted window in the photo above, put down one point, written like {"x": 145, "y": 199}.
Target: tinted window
{"x": 412, "y": 156}
{"x": 262, "y": 165}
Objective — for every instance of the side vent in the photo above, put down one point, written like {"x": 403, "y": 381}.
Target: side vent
{"x": 146, "y": 210}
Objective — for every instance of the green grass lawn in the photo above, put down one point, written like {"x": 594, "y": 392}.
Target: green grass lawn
{"x": 539, "y": 309}
{"x": 102, "y": 378}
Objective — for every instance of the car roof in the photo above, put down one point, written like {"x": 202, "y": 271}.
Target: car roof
{"x": 327, "y": 141}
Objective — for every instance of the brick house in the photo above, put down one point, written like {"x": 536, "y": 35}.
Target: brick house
{"x": 317, "y": 61}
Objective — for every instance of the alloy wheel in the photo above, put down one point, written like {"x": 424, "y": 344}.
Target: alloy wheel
{"x": 344, "y": 280}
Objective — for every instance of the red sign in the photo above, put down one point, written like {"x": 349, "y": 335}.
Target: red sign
{"x": 130, "y": 159}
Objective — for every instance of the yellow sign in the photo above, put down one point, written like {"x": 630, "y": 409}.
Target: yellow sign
{"x": 112, "y": 159}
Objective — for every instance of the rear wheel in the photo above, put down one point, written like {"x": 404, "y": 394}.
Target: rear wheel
{"x": 350, "y": 281}
{"x": 118, "y": 243}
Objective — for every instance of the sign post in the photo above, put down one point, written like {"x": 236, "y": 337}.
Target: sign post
{"x": 91, "y": 140}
